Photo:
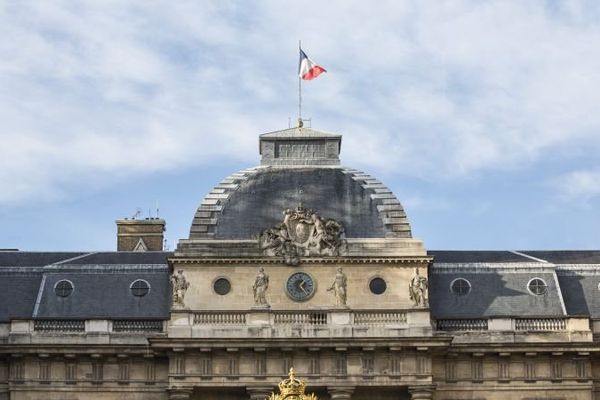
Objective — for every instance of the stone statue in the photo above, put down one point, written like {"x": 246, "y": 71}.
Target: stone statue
{"x": 339, "y": 287}
{"x": 180, "y": 286}
{"x": 302, "y": 233}
{"x": 261, "y": 284}
{"x": 417, "y": 289}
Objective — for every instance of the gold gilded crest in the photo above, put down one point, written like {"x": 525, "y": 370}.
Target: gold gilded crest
{"x": 292, "y": 389}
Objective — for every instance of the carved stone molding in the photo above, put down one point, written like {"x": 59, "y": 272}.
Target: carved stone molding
{"x": 259, "y": 392}
{"x": 302, "y": 233}
{"x": 421, "y": 392}
{"x": 179, "y": 394}
{"x": 340, "y": 392}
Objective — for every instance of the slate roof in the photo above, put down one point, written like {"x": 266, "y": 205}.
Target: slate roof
{"x": 499, "y": 283}
{"x": 566, "y": 256}
{"x": 249, "y": 201}
{"x": 33, "y": 258}
{"x": 101, "y": 282}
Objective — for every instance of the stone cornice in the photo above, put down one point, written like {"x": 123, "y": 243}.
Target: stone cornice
{"x": 278, "y": 260}
{"x": 351, "y": 344}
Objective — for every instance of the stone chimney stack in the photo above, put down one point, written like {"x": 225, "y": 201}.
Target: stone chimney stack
{"x": 140, "y": 234}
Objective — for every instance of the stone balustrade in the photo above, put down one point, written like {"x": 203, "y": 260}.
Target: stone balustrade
{"x": 220, "y": 318}
{"x": 540, "y": 324}
{"x": 366, "y": 318}
{"x": 341, "y": 322}
{"x": 517, "y": 329}
{"x": 451, "y": 325}
{"x": 36, "y": 330}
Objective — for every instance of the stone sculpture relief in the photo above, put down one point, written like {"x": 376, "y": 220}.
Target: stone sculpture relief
{"x": 417, "y": 289}
{"x": 180, "y": 286}
{"x": 302, "y": 233}
{"x": 339, "y": 288}
{"x": 261, "y": 284}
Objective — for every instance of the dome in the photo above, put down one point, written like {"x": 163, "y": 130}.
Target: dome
{"x": 299, "y": 168}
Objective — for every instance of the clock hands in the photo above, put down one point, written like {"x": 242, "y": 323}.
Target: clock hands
{"x": 301, "y": 286}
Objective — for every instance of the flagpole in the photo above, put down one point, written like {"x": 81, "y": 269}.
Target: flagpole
{"x": 299, "y": 90}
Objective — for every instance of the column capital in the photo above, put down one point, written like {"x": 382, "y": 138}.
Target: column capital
{"x": 179, "y": 394}
{"x": 421, "y": 392}
{"x": 259, "y": 392}
{"x": 340, "y": 392}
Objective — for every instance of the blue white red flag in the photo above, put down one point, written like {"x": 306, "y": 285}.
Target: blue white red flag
{"x": 307, "y": 68}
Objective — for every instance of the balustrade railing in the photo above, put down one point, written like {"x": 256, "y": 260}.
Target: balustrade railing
{"x": 58, "y": 325}
{"x": 540, "y": 324}
{"x": 462, "y": 324}
{"x": 379, "y": 318}
{"x": 126, "y": 325}
{"x": 220, "y": 318}
{"x": 300, "y": 318}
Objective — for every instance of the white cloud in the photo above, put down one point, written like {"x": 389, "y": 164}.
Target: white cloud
{"x": 578, "y": 186}
{"x": 106, "y": 90}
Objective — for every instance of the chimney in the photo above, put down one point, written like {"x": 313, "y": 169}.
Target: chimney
{"x": 140, "y": 234}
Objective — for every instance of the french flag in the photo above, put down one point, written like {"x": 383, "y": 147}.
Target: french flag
{"x": 308, "y": 69}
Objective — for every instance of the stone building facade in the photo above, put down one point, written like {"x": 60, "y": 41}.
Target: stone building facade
{"x": 299, "y": 262}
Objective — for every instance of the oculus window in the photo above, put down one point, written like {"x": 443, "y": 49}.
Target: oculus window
{"x": 537, "y": 287}
{"x": 139, "y": 288}
{"x": 460, "y": 287}
{"x": 377, "y": 285}
{"x": 222, "y": 286}
{"x": 63, "y": 288}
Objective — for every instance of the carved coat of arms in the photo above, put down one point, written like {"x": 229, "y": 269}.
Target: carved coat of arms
{"x": 302, "y": 233}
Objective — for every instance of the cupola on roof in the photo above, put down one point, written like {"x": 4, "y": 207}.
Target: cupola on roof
{"x": 300, "y": 167}
{"x": 300, "y": 146}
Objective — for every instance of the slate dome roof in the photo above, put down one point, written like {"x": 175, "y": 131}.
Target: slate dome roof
{"x": 299, "y": 167}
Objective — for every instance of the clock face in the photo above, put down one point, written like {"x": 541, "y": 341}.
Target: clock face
{"x": 300, "y": 286}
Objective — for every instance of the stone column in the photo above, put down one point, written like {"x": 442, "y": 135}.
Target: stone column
{"x": 340, "y": 392}
{"x": 424, "y": 392}
{"x": 259, "y": 392}
{"x": 179, "y": 394}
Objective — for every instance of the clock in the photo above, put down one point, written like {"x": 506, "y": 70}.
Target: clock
{"x": 300, "y": 286}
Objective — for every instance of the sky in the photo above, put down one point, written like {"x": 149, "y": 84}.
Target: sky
{"x": 483, "y": 117}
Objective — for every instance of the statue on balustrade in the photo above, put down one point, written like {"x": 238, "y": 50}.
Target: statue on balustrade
{"x": 417, "y": 289}
{"x": 339, "y": 287}
{"x": 180, "y": 286}
{"x": 261, "y": 284}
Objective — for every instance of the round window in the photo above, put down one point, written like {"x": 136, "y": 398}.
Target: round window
{"x": 377, "y": 285}
{"x": 460, "y": 287}
{"x": 222, "y": 286}
{"x": 537, "y": 287}
{"x": 139, "y": 288}
{"x": 63, "y": 288}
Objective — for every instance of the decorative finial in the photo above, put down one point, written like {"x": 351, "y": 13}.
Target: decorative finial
{"x": 292, "y": 374}
{"x": 300, "y": 123}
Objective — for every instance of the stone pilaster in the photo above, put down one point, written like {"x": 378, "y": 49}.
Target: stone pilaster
{"x": 259, "y": 392}
{"x": 424, "y": 392}
{"x": 340, "y": 392}
{"x": 179, "y": 394}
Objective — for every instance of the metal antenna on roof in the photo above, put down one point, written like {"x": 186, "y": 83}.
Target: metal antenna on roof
{"x": 156, "y": 208}
{"x": 138, "y": 211}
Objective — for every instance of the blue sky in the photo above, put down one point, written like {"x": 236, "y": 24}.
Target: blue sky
{"x": 482, "y": 117}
